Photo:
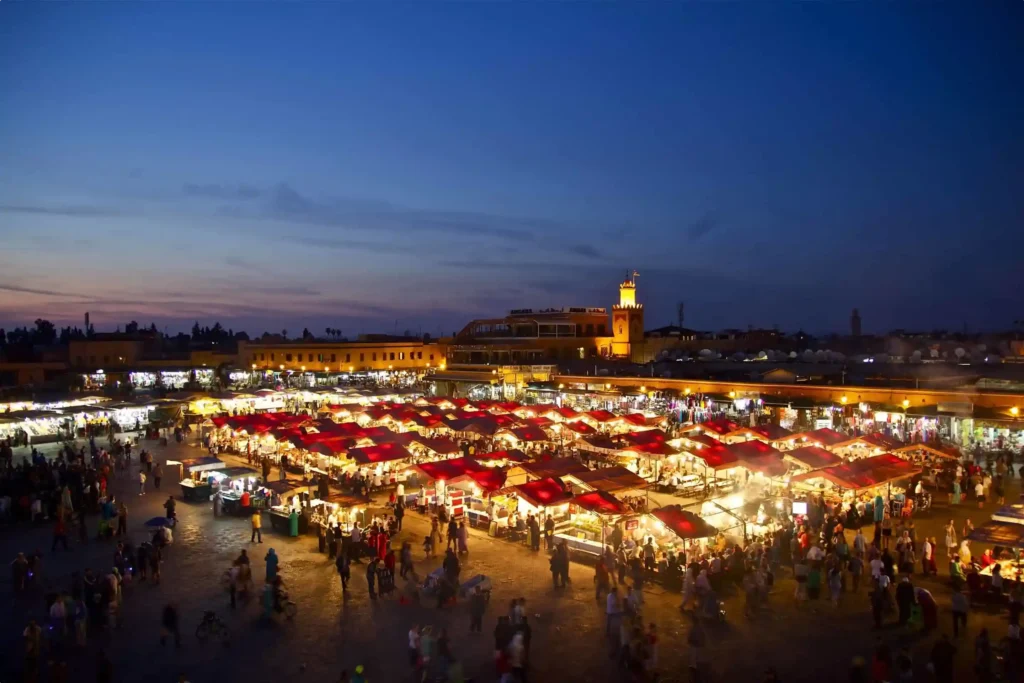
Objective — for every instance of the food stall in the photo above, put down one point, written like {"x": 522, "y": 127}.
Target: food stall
{"x": 233, "y": 483}
{"x": 513, "y": 504}
{"x": 860, "y": 481}
{"x": 809, "y": 458}
{"x": 1007, "y": 541}
{"x": 591, "y": 518}
{"x": 687, "y": 527}
{"x": 195, "y": 484}
{"x": 337, "y": 509}
{"x": 285, "y": 496}
{"x": 556, "y": 468}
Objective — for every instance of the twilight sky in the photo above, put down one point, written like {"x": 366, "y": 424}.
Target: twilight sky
{"x": 393, "y": 166}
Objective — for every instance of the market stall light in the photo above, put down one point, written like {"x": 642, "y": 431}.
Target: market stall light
{"x": 687, "y": 390}
{"x": 281, "y": 366}
{"x": 303, "y": 368}
{"x": 351, "y": 368}
{"x": 561, "y": 386}
{"x": 327, "y": 368}
{"x": 643, "y": 389}
{"x": 732, "y": 394}
{"x": 1015, "y": 411}
{"x": 843, "y": 400}
{"x": 606, "y": 386}
{"x": 253, "y": 366}
{"x": 906, "y": 404}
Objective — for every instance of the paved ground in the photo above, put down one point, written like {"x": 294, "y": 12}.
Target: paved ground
{"x": 332, "y": 632}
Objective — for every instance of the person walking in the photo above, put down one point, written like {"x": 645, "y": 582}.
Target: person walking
{"x": 122, "y": 519}
{"x": 257, "y": 527}
{"x": 142, "y": 483}
{"x": 477, "y": 607}
{"x": 371, "y": 577}
{"x": 453, "y": 535}
{"x": 950, "y": 539}
{"x": 60, "y": 533}
{"x": 169, "y": 625}
{"x": 399, "y": 513}
{"x": 405, "y": 560}
{"x": 158, "y": 474}
{"x": 344, "y": 570}
{"x": 960, "y": 607}
{"x": 463, "y": 537}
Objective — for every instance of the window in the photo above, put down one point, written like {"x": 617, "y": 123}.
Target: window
{"x": 263, "y": 356}
{"x": 333, "y": 358}
{"x": 78, "y": 360}
{"x": 590, "y": 330}
{"x": 362, "y": 357}
{"x": 288, "y": 357}
{"x": 401, "y": 355}
{"x": 392, "y": 356}
{"x": 271, "y": 356}
{"x": 348, "y": 358}
{"x": 375, "y": 355}
{"x": 600, "y": 330}
{"x": 106, "y": 359}
{"x": 319, "y": 358}
{"x": 310, "y": 358}
{"x": 431, "y": 357}
{"x": 419, "y": 355}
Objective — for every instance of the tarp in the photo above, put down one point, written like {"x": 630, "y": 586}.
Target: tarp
{"x": 555, "y": 468}
{"x": 513, "y": 455}
{"x": 759, "y": 457}
{"x": 597, "y": 442}
{"x": 813, "y": 457}
{"x": 489, "y": 479}
{"x": 650, "y": 436}
{"x": 876, "y": 440}
{"x": 611, "y": 479}
{"x": 439, "y": 445}
{"x": 942, "y": 451}
{"x": 543, "y": 492}
{"x": 448, "y": 470}
{"x": 528, "y": 434}
{"x": 383, "y": 453}
{"x": 601, "y": 416}
{"x": 768, "y": 432}
{"x": 238, "y": 472}
{"x": 282, "y": 487}
{"x": 864, "y": 473}
{"x": 683, "y": 523}
{"x": 200, "y": 464}
{"x": 720, "y": 426}
{"x": 1011, "y": 514}
{"x": 600, "y": 502}
{"x": 653, "y": 449}
{"x": 827, "y": 438}
{"x": 1002, "y": 534}
{"x": 580, "y": 427}
{"x": 716, "y": 456}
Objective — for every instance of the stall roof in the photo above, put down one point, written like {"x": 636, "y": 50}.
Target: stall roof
{"x": 875, "y": 440}
{"x": 382, "y": 453}
{"x": 649, "y": 436}
{"x": 439, "y": 444}
{"x": 703, "y": 440}
{"x": 238, "y": 472}
{"x": 543, "y": 492}
{"x": 555, "y": 468}
{"x": 611, "y": 479}
{"x": 827, "y": 438}
{"x": 1013, "y": 514}
{"x": 943, "y": 450}
{"x": 601, "y": 416}
{"x": 529, "y": 434}
{"x": 580, "y": 427}
{"x": 654, "y": 448}
{"x": 282, "y": 487}
{"x": 567, "y": 413}
{"x": 200, "y": 464}
{"x": 448, "y": 470}
{"x": 1005, "y": 534}
{"x": 513, "y": 454}
{"x": 539, "y": 421}
{"x": 717, "y": 456}
{"x": 600, "y": 502}
{"x": 771, "y": 432}
{"x": 684, "y": 523}
{"x": 344, "y": 500}
{"x": 489, "y": 479}
{"x": 597, "y": 442}
{"x": 813, "y": 457}
{"x": 760, "y": 457}
{"x": 864, "y": 473}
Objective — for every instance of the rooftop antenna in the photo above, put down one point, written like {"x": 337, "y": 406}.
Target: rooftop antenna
{"x": 680, "y": 309}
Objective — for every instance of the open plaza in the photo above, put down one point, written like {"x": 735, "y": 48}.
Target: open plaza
{"x": 693, "y": 500}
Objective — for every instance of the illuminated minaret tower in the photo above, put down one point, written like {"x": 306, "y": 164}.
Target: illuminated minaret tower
{"x": 627, "y": 320}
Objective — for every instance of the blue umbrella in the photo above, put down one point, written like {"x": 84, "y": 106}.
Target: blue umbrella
{"x": 157, "y": 522}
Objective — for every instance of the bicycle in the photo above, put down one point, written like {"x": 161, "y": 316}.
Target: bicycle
{"x": 212, "y": 626}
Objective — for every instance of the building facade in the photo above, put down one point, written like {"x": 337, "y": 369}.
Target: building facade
{"x": 342, "y": 356}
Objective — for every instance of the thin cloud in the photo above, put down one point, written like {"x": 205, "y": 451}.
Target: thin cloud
{"x": 217, "y": 191}
{"x": 585, "y": 250}
{"x": 17, "y": 289}
{"x": 702, "y": 227}
{"x": 73, "y": 211}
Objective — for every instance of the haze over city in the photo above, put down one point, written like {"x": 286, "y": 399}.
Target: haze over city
{"x": 388, "y": 167}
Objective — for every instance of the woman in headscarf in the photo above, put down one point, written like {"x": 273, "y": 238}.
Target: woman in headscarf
{"x": 271, "y": 559}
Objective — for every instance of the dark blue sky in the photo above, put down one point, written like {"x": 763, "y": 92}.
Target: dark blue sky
{"x": 411, "y": 166}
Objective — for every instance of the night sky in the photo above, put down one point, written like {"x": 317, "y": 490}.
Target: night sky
{"x": 388, "y": 167}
